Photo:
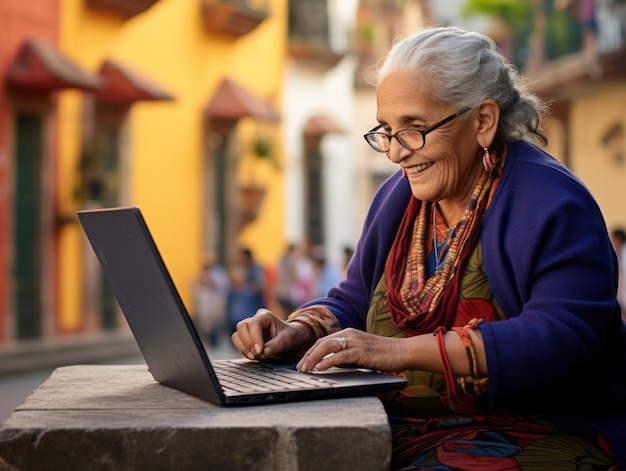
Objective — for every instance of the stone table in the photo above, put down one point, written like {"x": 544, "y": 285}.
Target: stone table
{"x": 119, "y": 418}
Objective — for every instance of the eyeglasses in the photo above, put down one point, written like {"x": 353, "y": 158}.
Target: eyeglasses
{"x": 411, "y": 139}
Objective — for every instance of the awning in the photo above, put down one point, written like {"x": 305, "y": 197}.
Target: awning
{"x": 121, "y": 84}
{"x": 232, "y": 101}
{"x": 40, "y": 67}
{"x": 321, "y": 124}
{"x": 124, "y": 8}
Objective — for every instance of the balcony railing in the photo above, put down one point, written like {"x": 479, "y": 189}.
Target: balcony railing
{"x": 572, "y": 31}
{"x": 315, "y": 36}
{"x": 598, "y": 54}
{"x": 611, "y": 18}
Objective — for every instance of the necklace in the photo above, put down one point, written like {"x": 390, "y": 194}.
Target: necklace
{"x": 435, "y": 247}
{"x": 445, "y": 242}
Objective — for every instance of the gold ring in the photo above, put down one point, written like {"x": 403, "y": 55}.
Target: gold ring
{"x": 342, "y": 341}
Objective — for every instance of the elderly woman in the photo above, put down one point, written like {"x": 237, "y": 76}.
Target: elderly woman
{"x": 484, "y": 274}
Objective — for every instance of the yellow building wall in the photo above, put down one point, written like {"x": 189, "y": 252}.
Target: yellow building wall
{"x": 592, "y": 116}
{"x": 554, "y": 130}
{"x": 168, "y": 44}
{"x": 69, "y": 237}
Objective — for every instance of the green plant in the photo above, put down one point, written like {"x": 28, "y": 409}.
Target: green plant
{"x": 262, "y": 148}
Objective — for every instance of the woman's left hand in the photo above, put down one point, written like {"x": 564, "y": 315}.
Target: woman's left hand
{"x": 354, "y": 347}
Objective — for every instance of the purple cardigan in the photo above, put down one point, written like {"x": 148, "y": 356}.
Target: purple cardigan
{"x": 553, "y": 271}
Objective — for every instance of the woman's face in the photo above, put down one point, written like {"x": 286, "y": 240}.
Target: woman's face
{"x": 447, "y": 168}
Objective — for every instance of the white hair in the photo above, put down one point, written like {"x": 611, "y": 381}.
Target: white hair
{"x": 463, "y": 68}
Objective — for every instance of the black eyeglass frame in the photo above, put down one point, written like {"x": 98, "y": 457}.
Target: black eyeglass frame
{"x": 371, "y": 134}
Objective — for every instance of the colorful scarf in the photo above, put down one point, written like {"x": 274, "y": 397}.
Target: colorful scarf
{"x": 419, "y": 304}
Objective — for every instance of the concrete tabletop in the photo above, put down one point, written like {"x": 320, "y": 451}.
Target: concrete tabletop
{"x": 118, "y": 417}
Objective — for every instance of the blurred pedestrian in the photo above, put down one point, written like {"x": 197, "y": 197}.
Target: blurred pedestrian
{"x": 210, "y": 290}
{"x": 285, "y": 281}
{"x": 247, "y": 289}
{"x": 348, "y": 253}
{"x": 325, "y": 275}
{"x": 255, "y": 277}
{"x": 301, "y": 288}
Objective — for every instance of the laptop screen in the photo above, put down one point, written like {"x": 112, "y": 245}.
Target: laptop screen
{"x": 151, "y": 304}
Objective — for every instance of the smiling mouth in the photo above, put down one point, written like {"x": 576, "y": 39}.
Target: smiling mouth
{"x": 419, "y": 168}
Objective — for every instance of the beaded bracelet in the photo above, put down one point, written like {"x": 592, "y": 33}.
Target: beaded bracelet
{"x": 469, "y": 346}
{"x": 309, "y": 328}
{"x": 308, "y": 317}
{"x": 469, "y": 350}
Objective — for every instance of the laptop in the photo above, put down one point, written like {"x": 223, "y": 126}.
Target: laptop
{"x": 169, "y": 342}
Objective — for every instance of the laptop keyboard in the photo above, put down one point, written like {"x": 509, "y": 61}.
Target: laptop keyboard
{"x": 255, "y": 377}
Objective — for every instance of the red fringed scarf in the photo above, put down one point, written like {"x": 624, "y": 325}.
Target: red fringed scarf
{"x": 419, "y": 305}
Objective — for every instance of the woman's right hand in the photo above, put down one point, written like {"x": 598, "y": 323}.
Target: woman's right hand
{"x": 265, "y": 336}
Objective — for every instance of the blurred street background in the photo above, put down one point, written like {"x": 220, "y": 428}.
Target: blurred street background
{"x": 237, "y": 127}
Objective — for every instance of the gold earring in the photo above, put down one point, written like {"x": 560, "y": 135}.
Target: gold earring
{"x": 489, "y": 160}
